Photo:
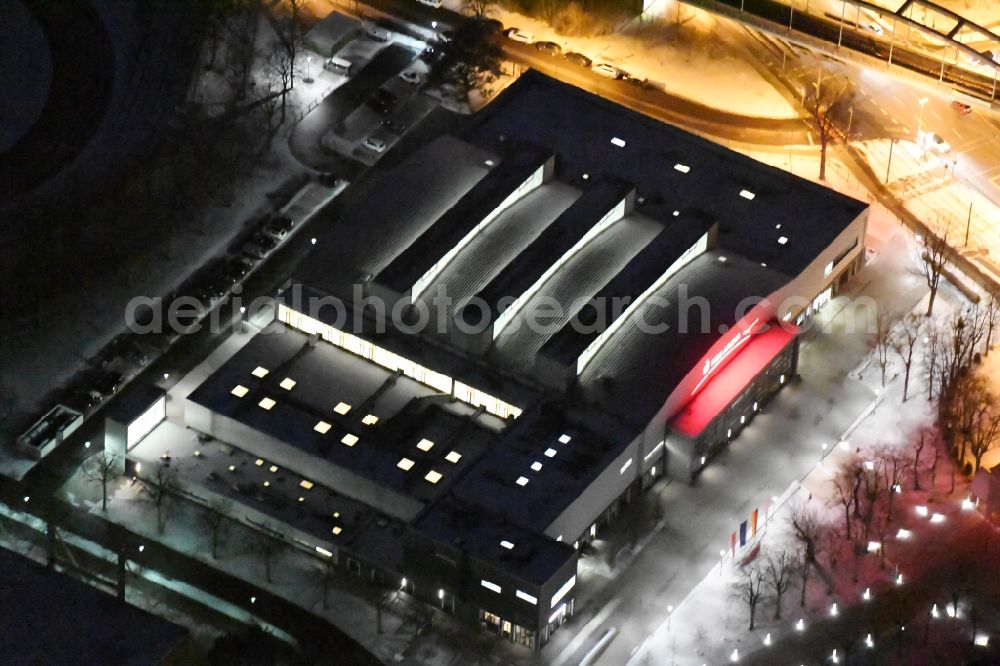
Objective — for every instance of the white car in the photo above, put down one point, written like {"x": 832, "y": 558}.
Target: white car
{"x": 938, "y": 144}
{"x": 518, "y": 35}
{"x": 436, "y": 4}
{"x": 410, "y": 77}
{"x": 874, "y": 27}
{"x": 606, "y": 70}
{"x": 378, "y": 145}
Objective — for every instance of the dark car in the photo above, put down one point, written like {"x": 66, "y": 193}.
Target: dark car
{"x": 394, "y": 126}
{"x": 491, "y": 26}
{"x": 579, "y": 59}
{"x": 107, "y": 382}
{"x": 382, "y": 101}
{"x": 548, "y": 47}
{"x": 237, "y": 268}
{"x": 639, "y": 82}
{"x": 431, "y": 55}
{"x": 264, "y": 240}
{"x": 286, "y": 223}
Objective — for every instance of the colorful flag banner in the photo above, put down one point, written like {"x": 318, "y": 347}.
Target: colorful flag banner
{"x": 753, "y": 523}
{"x": 743, "y": 533}
{"x": 732, "y": 544}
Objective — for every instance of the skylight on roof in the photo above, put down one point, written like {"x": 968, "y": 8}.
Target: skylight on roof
{"x": 425, "y": 445}
{"x": 747, "y": 194}
{"x": 522, "y": 480}
{"x": 259, "y": 462}
{"x": 551, "y": 453}
{"x": 266, "y": 403}
{"x": 287, "y": 383}
{"x": 564, "y": 439}
{"x": 507, "y": 544}
{"x": 322, "y": 427}
{"x": 349, "y": 439}
{"x": 433, "y": 476}
{"x": 676, "y": 213}
{"x": 453, "y": 456}
{"x": 274, "y": 469}
{"x": 232, "y": 468}
{"x": 617, "y": 142}
{"x": 489, "y": 162}
{"x": 370, "y": 419}
{"x": 537, "y": 466}
{"x": 782, "y": 240}
{"x": 337, "y": 530}
{"x": 342, "y": 408}
{"x": 240, "y": 391}
{"x": 404, "y": 464}
{"x": 306, "y": 484}
{"x": 260, "y": 372}
{"x": 722, "y": 259}
{"x": 683, "y": 168}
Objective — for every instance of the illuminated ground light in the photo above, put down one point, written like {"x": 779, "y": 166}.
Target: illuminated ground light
{"x": 899, "y": 578}
{"x": 833, "y": 610}
{"x": 937, "y": 518}
{"x": 903, "y": 535}
{"x": 982, "y": 640}
{"x": 767, "y": 639}
{"x": 921, "y": 511}
{"x": 800, "y": 625}
{"x": 833, "y": 656}
{"x": 968, "y": 505}
{"x": 868, "y": 641}
{"x": 867, "y": 594}
{"x": 934, "y": 611}
{"x": 874, "y": 546}
{"x": 735, "y": 656}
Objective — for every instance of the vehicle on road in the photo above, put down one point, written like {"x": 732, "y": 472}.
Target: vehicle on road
{"x": 579, "y": 59}
{"x": 436, "y": 4}
{"x": 518, "y": 35}
{"x": 548, "y": 47}
{"x": 639, "y": 82}
{"x": 607, "y": 71}
{"x": 378, "y": 34}
{"x": 961, "y": 107}
{"x": 874, "y": 27}
{"x": 938, "y": 144}
{"x": 338, "y": 66}
{"x": 372, "y": 143}
{"x": 410, "y": 76}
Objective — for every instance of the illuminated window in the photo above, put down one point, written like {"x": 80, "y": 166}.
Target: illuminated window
{"x": 260, "y": 372}
{"x": 336, "y": 530}
{"x": 259, "y": 462}
{"x": 537, "y": 466}
{"x": 405, "y": 464}
{"x": 453, "y": 456}
{"x": 828, "y": 269}
{"x": 370, "y": 419}
{"x": 683, "y": 168}
{"x": 342, "y": 408}
{"x": 551, "y": 453}
{"x": 433, "y": 476}
{"x": 522, "y": 481}
{"x": 266, "y": 403}
{"x": 307, "y": 485}
{"x": 287, "y": 383}
{"x": 618, "y": 142}
{"x": 628, "y": 463}
{"x": 562, "y": 591}
{"x": 425, "y": 445}
{"x": 491, "y": 586}
{"x": 507, "y": 544}
{"x": 349, "y": 439}
{"x": 240, "y": 391}
{"x": 527, "y": 597}
{"x": 322, "y": 427}
{"x": 782, "y": 240}
{"x": 564, "y": 439}
{"x": 747, "y": 194}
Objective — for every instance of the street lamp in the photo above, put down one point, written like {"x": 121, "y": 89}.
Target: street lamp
{"x": 670, "y": 613}
{"x": 309, "y": 60}
{"x": 920, "y": 124}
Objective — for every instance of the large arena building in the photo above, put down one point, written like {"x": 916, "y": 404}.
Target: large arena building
{"x": 500, "y": 340}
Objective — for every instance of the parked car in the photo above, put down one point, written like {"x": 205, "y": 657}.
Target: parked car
{"x": 275, "y": 231}
{"x": 548, "y": 47}
{"x": 639, "y": 82}
{"x": 236, "y": 269}
{"x": 445, "y": 36}
{"x": 373, "y": 143}
{"x": 382, "y": 101}
{"x": 518, "y": 35}
{"x": 377, "y": 33}
{"x": 255, "y": 250}
{"x": 283, "y": 222}
{"x": 431, "y": 54}
{"x": 579, "y": 59}
{"x": 394, "y": 126}
{"x": 938, "y": 144}
{"x": 874, "y": 27}
{"x": 108, "y": 382}
{"x": 431, "y": 3}
{"x": 607, "y": 71}
{"x": 961, "y": 107}
{"x": 81, "y": 399}
{"x": 410, "y": 76}
{"x": 490, "y": 26}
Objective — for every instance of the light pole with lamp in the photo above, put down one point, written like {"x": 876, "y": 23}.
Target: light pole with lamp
{"x": 670, "y": 613}
{"x": 308, "y": 78}
{"x": 920, "y": 124}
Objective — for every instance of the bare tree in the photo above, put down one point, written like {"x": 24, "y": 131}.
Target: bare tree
{"x": 102, "y": 470}
{"x": 882, "y": 340}
{"x": 992, "y": 316}
{"x": 242, "y": 39}
{"x": 778, "y": 569}
{"x": 904, "y": 343}
{"x": 845, "y": 488}
{"x": 802, "y": 569}
{"x": 214, "y": 520}
{"x": 918, "y": 447}
{"x": 480, "y": 9}
{"x": 281, "y": 74}
{"x": 806, "y": 528}
{"x": 268, "y": 545}
{"x": 893, "y": 467}
{"x": 933, "y": 256}
{"x": 329, "y": 570}
{"x": 158, "y": 487}
{"x": 750, "y": 588}
{"x": 824, "y": 101}
{"x": 288, "y": 29}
